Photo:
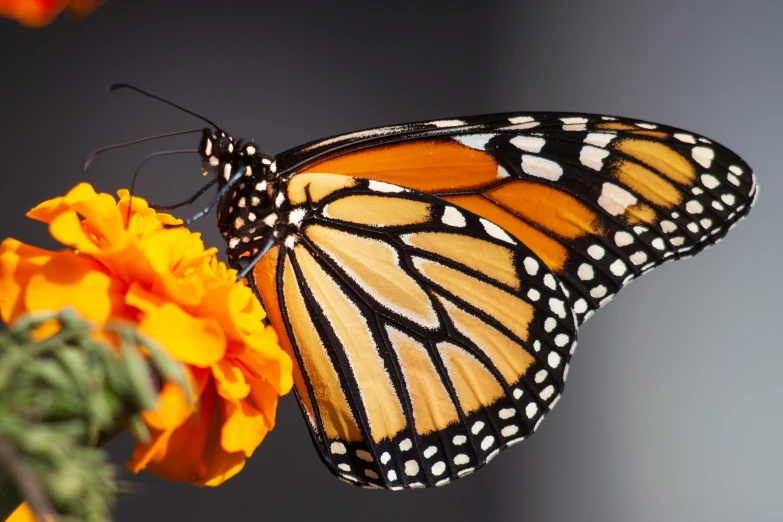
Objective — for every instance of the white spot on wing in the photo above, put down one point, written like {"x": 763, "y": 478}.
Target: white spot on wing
{"x": 709, "y": 181}
{"x": 532, "y": 144}
{"x": 703, "y": 156}
{"x": 585, "y": 272}
{"x": 593, "y": 157}
{"x": 685, "y": 138}
{"x": 338, "y": 448}
{"x": 694, "y": 207}
{"x": 508, "y": 431}
{"x": 461, "y": 459}
{"x": 475, "y": 141}
{"x": 550, "y": 324}
{"x": 496, "y": 232}
{"x": 381, "y": 186}
{"x": 531, "y": 266}
{"x": 453, "y": 217}
{"x": 599, "y": 139}
{"x": 447, "y": 123}
{"x": 618, "y": 268}
{"x": 521, "y": 119}
{"x": 558, "y": 307}
{"x": 487, "y": 442}
{"x": 615, "y": 200}
{"x": 638, "y": 258}
{"x": 596, "y": 251}
{"x": 541, "y": 168}
{"x": 623, "y": 238}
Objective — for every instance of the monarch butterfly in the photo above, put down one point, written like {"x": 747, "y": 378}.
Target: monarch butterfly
{"x": 429, "y": 278}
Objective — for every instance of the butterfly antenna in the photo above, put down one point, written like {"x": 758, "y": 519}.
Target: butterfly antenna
{"x": 100, "y": 151}
{"x": 118, "y": 86}
{"x": 138, "y": 169}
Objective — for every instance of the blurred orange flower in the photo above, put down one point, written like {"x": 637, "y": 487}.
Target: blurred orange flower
{"x": 37, "y": 13}
{"x": 177, "y": 293}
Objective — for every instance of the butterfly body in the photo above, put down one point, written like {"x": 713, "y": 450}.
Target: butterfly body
{"x": 429, "y": 278}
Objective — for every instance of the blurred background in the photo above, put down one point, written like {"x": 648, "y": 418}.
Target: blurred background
{"x": 673, "y": 406}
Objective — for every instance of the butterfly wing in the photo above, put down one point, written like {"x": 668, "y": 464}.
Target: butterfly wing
{"x": 600, "y": 199}
{"x": 427, "y": 338}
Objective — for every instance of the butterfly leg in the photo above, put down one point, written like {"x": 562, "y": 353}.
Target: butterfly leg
{"x": 214, "y": 201}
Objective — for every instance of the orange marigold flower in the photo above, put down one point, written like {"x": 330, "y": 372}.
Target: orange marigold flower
{"x": 37, "y": 13}
{"x": 177, "y": 293}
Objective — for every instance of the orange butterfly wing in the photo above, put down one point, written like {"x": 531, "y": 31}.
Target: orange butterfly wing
{"x": 599, "y": 199}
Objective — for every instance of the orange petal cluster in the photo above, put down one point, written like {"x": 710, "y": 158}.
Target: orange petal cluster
{"x": 38, "y": 13}
{"x": 179, "y": 294}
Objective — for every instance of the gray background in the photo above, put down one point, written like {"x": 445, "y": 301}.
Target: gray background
{"x": 673, "y": 406}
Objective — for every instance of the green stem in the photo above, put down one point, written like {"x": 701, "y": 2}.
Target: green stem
{"x": 27, "y": 482}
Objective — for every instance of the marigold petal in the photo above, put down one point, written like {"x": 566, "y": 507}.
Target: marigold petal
{"x": 221, "y": 466}
{"x": 196, "y": 341}
{"x": 179, "y": 454}
{"x": 22, "y": 514}
{"x": 244, "y": 427}
{"x": 173, "y": 409}
{"x": 154, "y": 452}
{"x": 142, "y": 208}
{"x": 18, "y": 263}
{"x": 100, "y": 213}
{"x": 72, "y": 280}
{"x": 229, "y": 380}
{"x": 236, "y": 308}
{"x": 67, "y": 229}
{"x": 48, "y": 210}
{"x": 271, "y": 364}
{"x": 264, "y": 399}
{"x": 139, "y": 297}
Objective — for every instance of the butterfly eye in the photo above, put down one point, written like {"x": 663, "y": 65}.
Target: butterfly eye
{"x": 224, "y": 146}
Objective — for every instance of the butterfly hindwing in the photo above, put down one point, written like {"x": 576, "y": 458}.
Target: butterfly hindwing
{"x": 428, "y": 338}
{"x": 601, "y": 200}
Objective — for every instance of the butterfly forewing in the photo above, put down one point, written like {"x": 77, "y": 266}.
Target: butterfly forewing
{"x": 428, "y": 338}
{"x": 599, "y": 199}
